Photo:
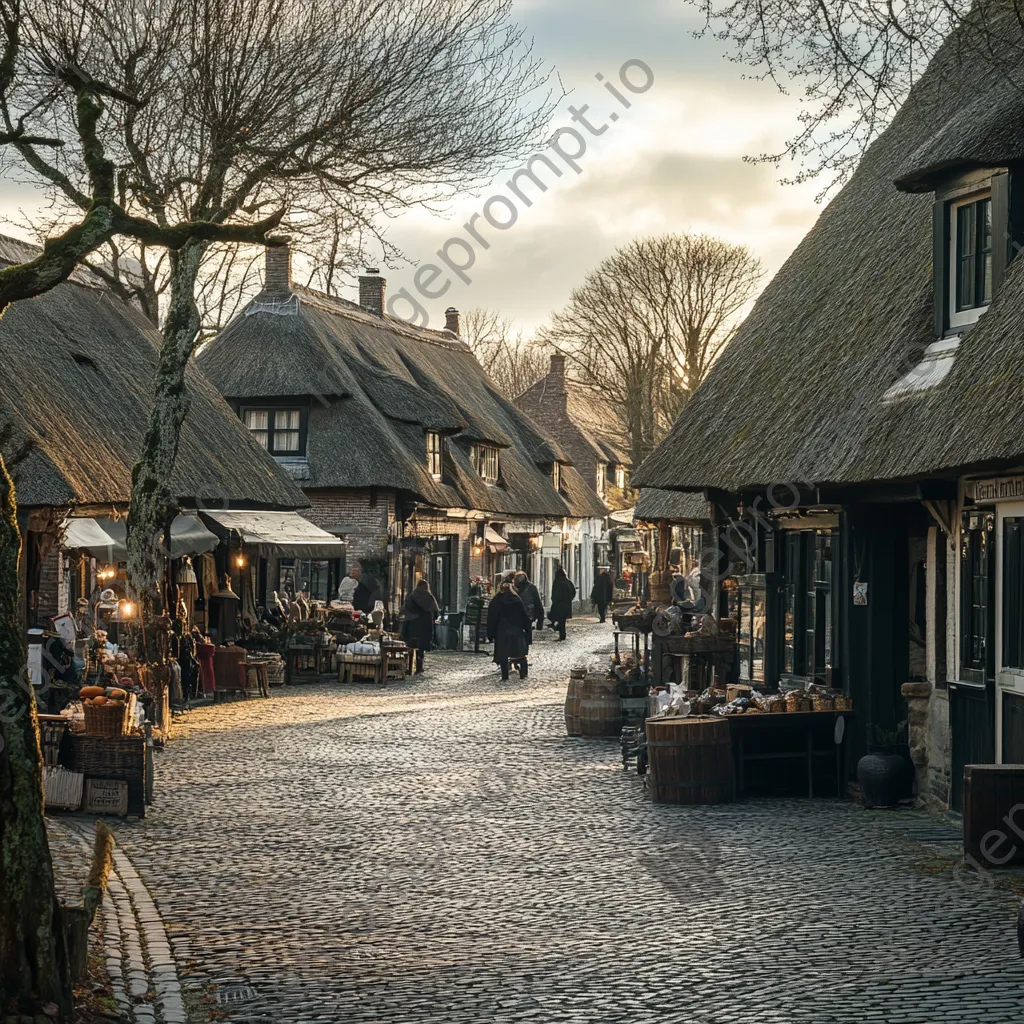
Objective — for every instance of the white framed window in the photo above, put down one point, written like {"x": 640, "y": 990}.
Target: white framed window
{"x": 485, "y": 462}
{"x": 556, "y": 475}
{"x": 620, "y": 477}
{"x": 970, "y": 258}
{"x": 602, "y": 479}
{"x": 434, "y": 453}
{"x": 280, "y": 431}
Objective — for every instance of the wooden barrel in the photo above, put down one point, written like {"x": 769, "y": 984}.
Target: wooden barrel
{"x": 600, "y": 710}
{"x": 690, "y": 760}
{"x": 572, "y": 706}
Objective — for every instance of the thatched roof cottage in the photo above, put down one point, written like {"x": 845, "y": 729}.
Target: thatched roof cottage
{"x": 863, "y": 431}
{"x": 394, "y": 432}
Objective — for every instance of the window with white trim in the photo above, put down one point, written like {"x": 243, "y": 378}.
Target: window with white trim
{"x": 485, "y": 462}
{"x": 602, "y": 479}
{"x": 620, "y": 477}
{"x": 278, "y": 430}
{"x": 434, "y": 453}
{"x": 970, "y": 258}
{"x": 556, "y": 475}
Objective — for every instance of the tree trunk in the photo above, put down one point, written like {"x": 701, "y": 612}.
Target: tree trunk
{"x": 34, "y": 971}
{"x": 152, "y": 500}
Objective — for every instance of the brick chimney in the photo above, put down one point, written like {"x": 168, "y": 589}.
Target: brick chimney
{"x": 372, "y": 289}
{"x": 452, "y": 321}
{"x": 277, "y": 269}
{"x": 557, "y": 371}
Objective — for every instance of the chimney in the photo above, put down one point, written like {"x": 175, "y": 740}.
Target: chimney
{"x": 557, "y": 371}
{"x": 277, "y": 272}
{"x": 371, "y": 291}
{"x": 451, "y": 321}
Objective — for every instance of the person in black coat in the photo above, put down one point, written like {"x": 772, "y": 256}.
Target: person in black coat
{"x": 419, "y": 613}
{"x": 602, "y": 593}
{"x": 510, "y": 630}
{"x": 531, "y": 598}
{"x": 563, "y": 593}
{"x": 368, "y": 591}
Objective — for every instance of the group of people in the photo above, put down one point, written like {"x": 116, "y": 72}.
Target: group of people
{"x": 513, "y": 612}
{"x": 511, "y": 616}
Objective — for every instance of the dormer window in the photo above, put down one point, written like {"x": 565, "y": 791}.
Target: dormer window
{"x": 620, "y": 477}
{"x": 485, "y": 461}
{"x": 556, "y": 475}
{"x": 970, "y": 271}
{"x": 280, "y": 431}
{"x": 434, "y": 454}
{"x": 602, "y": 479}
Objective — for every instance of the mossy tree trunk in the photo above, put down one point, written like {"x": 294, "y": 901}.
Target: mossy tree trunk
{"x": 153, "y": 500}
{"x": 34, "y": 971}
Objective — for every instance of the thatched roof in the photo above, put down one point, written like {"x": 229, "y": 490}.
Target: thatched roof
{"x": 78, "y": 369}
{"x": 799, "y": 393}
{"x": 673, "y": 506}
{"x": 376, "y": 386}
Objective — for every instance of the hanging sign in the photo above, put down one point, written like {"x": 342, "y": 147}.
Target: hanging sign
{"x": 1002, "y": 488}
{"x": 106, "y": 796}
{"x": 860, "y": 592}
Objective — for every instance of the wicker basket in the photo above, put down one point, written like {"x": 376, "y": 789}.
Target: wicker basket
{"x": 843, "y": 702}
{"x": 797, "y": 700}
{"x": 823, "y": 702}
{"x": 275, "y": 671}
{"x": 109, "y": 720}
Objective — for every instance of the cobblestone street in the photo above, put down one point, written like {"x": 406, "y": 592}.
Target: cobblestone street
{"x": 440, "y": 851}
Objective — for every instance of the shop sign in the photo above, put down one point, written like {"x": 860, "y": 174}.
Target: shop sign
{"x": 551, "y": 543}
{"x": 1002, "y": 488}
{"x": 106, "y": 796}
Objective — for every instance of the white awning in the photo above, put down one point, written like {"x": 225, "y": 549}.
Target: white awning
{"x": 285, "y": 533}
{"x": 494, "y": 540}
{"x": 89, "y": 536}
{"x": 622, "y": 515}
{"x": 106, "y": 539}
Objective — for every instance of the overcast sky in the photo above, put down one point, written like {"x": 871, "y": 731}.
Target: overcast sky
{"x": 672, "y": 162}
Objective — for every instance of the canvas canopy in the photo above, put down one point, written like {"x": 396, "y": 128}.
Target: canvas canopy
{"x": 283, "y": 533}
{"x": 106, "y": 539}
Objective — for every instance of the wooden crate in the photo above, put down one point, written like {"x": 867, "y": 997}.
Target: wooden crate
{"x": 993, "y": 811}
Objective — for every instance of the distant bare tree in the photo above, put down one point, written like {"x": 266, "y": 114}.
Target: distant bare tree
{"x": 511, "y": 361}
{"x": 645, "y": 326}
{"x": 249, "y": 106}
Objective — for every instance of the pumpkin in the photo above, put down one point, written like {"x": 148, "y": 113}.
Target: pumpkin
{"x": 91, "y": 691}
{"x": 116, "y": 694}
{"x": 98, "y": 701}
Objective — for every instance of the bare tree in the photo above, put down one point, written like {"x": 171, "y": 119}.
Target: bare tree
{"x": 645, "y": 326}
{"x": 511, "y": 361}
{"x": 254, "y": 105}
{"x": 854, "y": 61}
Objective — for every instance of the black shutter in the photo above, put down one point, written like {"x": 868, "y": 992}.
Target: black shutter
{"x": 1000, "y": 228}
{"x": 940, "y": 265}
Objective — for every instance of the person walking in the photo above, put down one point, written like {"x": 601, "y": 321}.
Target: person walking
{"x": 531, "y": 598}
{"x": 510, "y": 629}
{"x": 602, "y": 593}
{"x": 419, "y": 613}
{"x": 563, "y": 593}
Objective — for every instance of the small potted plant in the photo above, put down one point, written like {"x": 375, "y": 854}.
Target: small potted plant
{"x": 883, "y": 773}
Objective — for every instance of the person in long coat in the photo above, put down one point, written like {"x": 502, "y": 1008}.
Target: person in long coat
{"x": 510, "y": 630}
{"x": 531, "y": 598}
{"x": 419, "y": 613}
{"x": 563, "y": 593}
{"x": 602, "y": 593}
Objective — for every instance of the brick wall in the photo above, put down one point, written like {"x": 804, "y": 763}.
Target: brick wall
{"x": 48, "y": 599}
{"x": 362, "y": 516}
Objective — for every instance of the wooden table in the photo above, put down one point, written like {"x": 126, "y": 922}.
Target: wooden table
{"x": 802, "y": 726}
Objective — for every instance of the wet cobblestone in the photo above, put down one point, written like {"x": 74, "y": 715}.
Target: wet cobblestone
{"x": 439, "y": 851}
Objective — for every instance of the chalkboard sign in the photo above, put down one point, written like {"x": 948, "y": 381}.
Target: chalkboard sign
{"x": 106, "y": 796}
